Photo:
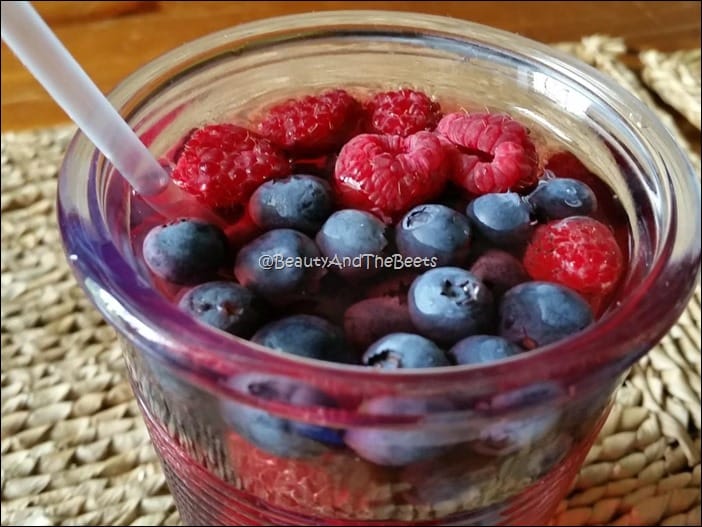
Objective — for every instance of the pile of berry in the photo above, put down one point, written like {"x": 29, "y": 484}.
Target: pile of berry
{"x": 509, "y": 252}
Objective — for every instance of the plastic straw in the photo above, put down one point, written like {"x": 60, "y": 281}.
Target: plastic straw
{"x": 36, "y": 46}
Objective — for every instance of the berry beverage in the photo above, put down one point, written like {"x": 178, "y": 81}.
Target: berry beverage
{"x": 422, "y": 294}
{"x": 461, "y": 241}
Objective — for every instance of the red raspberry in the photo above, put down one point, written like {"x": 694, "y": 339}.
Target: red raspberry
{"x": 389, "y": 174}
{"x": 335, "y": 483}
{"x": 578, "y": 252}
{"x": 403, "y": 112}
{"x": 223, "y": 164}
{"x": 493, "y": 152}
{"x": 313, "y": 124}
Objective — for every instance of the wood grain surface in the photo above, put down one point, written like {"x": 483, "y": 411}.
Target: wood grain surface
{"x": 112, "y": 39}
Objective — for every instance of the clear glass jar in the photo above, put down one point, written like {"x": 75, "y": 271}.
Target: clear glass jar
{"x": 507, "y": 452}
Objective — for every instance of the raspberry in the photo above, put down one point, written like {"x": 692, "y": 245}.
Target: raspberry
{"x": 578, "y": 252}
{"x": 223, "y": 164}
{"x": 314, "y": 124}
{"x": 492, "y": 152}
{"x": 403, "y": 112}
{"x": 389, "y": 174}
{"x": 335, "y": 483}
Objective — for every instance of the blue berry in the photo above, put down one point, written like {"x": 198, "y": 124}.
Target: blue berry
{"x": 370, "y": 319}
{"x": 535, "y": 314}
{"x": 503, "y": 219}
{"x": 223, "y": 305}
{"x": 399, "y": 446}
{"x": 279, "y": 265}
{"x": 276, "y": 435}
{"x": 404, "y": 350}
{"x": 349, "y": 234}
{"x": 296, "y": 202}
{"x": 434, "y": 231}
{"x": 520, "y": 418}
{"x": 305, "y": 336}
{"x": 482, "y": 349}
{"x": 502, "y": 437}
{"x": 558, "y": 198}
{"x": 499, "y": 270}
{"x": 185, "y": 251}
{"x": 448, "y": 303}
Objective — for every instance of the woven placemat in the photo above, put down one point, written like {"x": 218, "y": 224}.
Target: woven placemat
{"x": 75, "y": 450}
{"x": 676, "y": 78}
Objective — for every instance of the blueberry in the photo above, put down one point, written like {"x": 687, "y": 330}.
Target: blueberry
{"x": 404, "y": 350}
{"x": 499, "y": 270}
{"x": 224, "y": 305}
{"x": 369, "y": 320}
{"x": 276, "y": 435}
{"x": 482, "y": 349}
{"x": 305, "y": 336}
{"x": 296, "y": 202}
{"x": 509, "y": 434}
{"x": 503, "y": 219}
{"x": 448, "y": 303}
{"x": 399, "y": 446}
{"x": 349, "y": 234}
{"x": 519, "y": 418}
{"x": 535, "y": 314}
{"x": 280, "y": 265}
{"x": 558, "y": 198}
{"x": 185, "y": 251}
{"x": 434, "y": 231}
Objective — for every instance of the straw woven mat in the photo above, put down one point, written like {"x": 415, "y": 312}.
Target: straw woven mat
{"x": 75, "y": 450}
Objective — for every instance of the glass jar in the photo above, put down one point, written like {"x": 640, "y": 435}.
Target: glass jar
{"x": 509, "y": 445}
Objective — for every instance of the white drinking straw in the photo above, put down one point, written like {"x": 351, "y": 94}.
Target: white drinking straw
{"x": 42, "y": 53}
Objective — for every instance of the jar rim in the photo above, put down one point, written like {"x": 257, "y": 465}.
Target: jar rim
{"x": 613, "y": 338}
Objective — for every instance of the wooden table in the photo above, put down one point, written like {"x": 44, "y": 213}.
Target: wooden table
{"x": 111, "y": 39}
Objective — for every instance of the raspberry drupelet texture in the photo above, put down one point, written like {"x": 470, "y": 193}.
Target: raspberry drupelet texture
{"x": 489, "y": 152}
{"x": 223, "y": 164}
{"x": 578, "y": 252}
{"x": 402, "y": 112}
{"x": 388, "y": 174}
{"x": 314, "y": 124}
